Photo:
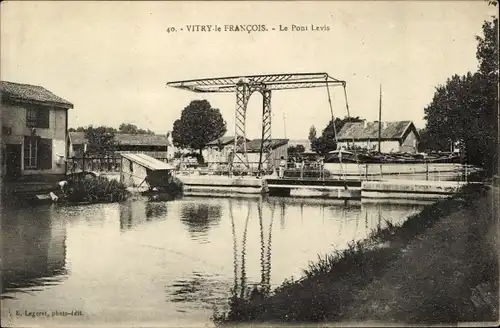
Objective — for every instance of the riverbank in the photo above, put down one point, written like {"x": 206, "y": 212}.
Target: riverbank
{"x": 439, "y": 266}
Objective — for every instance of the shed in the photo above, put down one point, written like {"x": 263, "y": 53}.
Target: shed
{"x": 140, "y": 169}
{"x": 278, "y": 148}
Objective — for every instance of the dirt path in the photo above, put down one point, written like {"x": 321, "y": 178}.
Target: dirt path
{"x": 445, "y": 275}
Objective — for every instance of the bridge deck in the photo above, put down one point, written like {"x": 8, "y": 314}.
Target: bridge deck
{"x": 305, "y": 183}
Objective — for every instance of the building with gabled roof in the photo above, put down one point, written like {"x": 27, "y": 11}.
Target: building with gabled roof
{"x": 277, "y": 147}
{"x": 34, "y": 139}
{"x": 156, "y": 145}
{"x": 218, "y": 151}
{"x": 397, "y": 136}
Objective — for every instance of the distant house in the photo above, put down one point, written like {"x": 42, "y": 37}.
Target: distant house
{"x": 77, "y": 144}
{"x": 155, "y": 145}
{"x": 279, "y": 148}
{"x": 34, "y": 138}
{"x": 303, "y": 142}
{"x": 217, "y": 151}
{"x": 399, "y": 136}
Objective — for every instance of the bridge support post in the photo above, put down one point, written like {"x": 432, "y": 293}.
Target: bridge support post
{"x": 240, "y": 145}
{"x": 243, "y": 92}
{"x": 265, "y": 147}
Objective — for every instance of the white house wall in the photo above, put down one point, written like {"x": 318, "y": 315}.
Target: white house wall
{"x": 410, "y": 144}
{"x": 389, "y": 146}
{"x": 14, "y": 117}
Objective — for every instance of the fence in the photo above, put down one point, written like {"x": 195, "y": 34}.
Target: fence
{"x": 311, "y": 170}
{"x": 224, "y": 169}
{"x": 98, "y": 164}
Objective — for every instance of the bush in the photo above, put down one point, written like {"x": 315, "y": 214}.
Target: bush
{"x": 198, "y": 156}
{"x": 95, "y": 190}
{"x": 174, "y": 187}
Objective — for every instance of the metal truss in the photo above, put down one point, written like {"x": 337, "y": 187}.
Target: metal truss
{"x": 244, "y": 87}
{"x": 272, "y": 81}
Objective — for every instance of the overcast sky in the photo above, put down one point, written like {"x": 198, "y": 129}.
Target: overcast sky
{"x": 112, "y": 60}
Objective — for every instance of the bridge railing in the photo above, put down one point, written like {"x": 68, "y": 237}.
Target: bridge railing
{"x": 314, "y": 170}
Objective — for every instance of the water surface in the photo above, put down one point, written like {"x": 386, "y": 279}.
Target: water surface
{"x": 167, "y": 263}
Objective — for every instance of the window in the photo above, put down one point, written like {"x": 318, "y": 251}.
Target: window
{"x": 30, "y": 153}
{"x": 31, "y": 117}
{"x": 37, "y": 117}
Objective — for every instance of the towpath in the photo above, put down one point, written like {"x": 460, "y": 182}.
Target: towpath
{"x": 448, "y": 274}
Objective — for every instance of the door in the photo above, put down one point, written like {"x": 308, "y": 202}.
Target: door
{"x": 13, "y": 160}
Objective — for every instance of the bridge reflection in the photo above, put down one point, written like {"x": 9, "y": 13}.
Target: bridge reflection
{"x": 355, "y": 220}
{"x": 240, "y": 284}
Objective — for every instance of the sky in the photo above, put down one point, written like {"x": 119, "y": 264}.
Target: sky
{"x": 112, "y": 60}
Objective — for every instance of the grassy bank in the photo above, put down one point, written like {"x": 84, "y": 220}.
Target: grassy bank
{"x": 95, "y": 190}
{"x": 427, "y": 270}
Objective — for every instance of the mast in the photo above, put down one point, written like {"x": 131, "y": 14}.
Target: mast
{"x": 380, "y": 119}
{"x": 284, "y": 123}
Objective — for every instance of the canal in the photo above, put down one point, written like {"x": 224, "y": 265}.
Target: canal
{"x": 166, "y": 263}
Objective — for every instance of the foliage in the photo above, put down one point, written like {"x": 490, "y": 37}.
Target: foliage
{"x": 296, "y": 149}
{"x": 99, "y": 189}
{"x": 428, "y": 143}
{"x": 312, "y": 133}
{"x": 326, "y": 142}
{"x": 78, "y": 129}
{"x": 198, "y": 156}
{"x": 123, "y": 128}
{"x": 101, "y": 140}
{"x": 199, "y": 124}
{"x": 132, "y": 129}
{"x": 465, "y": 108}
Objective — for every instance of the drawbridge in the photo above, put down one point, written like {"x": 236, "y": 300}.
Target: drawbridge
{"x": 244, "y": 87}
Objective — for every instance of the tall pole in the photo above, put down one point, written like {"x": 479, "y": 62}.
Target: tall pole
{"x": 284, "y": 123}
{"x": 380, "y": 119}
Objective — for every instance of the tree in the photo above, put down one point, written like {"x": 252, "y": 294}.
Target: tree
{"x": 427, "y": 143}
{"x": 101, "y": 140}
{"x": 296, "y": 149}
{"x": 132, "y": 129}
{"x": 326, "y": 142}
{"x": 465, "y": 108}
{"x": 78, "y": 129}
{"x": 199, "y": 124}
{"x": 312, "y": 134}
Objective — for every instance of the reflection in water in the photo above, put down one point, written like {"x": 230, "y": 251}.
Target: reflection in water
{"x": 155, "y": 210}
{"x": 235, "y": 249}
{"x": 267, "y": 281}
{"x": 199, "y": 218}
{"x": 265, "y": 251}
{"x": 135, "y": 212}
{"x": 177, "y": 253}
{"x": 282, "y": 215}
{"x": 243, "y": 253}
{"x": 33, "y": 248}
